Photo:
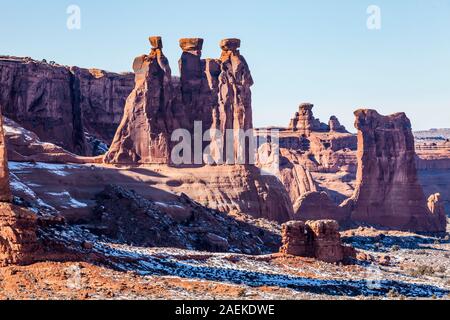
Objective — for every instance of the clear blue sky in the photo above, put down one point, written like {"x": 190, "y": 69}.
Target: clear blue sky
{"x": 317, "y": 51}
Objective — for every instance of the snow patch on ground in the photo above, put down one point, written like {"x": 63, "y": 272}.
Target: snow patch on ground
{"x": 9, "y": 130}
{"x": 57, "y": 169}
{"x": 18, "y": 186}
{"x": 71, "y": 201}
{"x": 169, "y": 205}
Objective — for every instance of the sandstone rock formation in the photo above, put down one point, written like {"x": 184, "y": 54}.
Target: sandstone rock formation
{"x": 18, "y": 241}
{"x": 215, "y": 92}
{"x": 296, "y": 179}
{"x": 143, "y": 135}
{"x": 436, "y": 207}
{"x": 304, "y": 121}
{"x": 315, "y": 239}
{"x": 60, "y": 103}
{"x": 388, "y": 192}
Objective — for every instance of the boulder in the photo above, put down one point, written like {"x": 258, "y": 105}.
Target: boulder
{"x": 315, "y": 239}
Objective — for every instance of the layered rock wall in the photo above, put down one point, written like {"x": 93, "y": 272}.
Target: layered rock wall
{"x": 60, "y": 104}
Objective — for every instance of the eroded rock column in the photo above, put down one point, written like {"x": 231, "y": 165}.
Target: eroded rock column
{"x": 388, "y": 193}
{"x": 143, "y": 135}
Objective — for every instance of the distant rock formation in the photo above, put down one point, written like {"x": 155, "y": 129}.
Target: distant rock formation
{"x": 315, "y": 239}
{"x": 335, "y": 126}
{"x": 388, "y": 192}
{"x": 436, "y": 207}
{"x": 183, "y": 223}
{"x": 60, "y": 103}
{"x": 18, "y": 241}
{"x": 296, "y": 179}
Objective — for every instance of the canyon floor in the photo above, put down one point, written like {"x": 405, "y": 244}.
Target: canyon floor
{"x": 418, "y": 268}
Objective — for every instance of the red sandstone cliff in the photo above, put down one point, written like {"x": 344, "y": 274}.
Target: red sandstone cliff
{"x": 60, "y": 103}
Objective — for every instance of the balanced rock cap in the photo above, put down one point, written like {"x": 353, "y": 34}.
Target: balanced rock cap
{"x": 231, "y": 44}
{"x": 306, "y": 105}
{"x": 191, "y": 44}
{"x": 156, "y": 42}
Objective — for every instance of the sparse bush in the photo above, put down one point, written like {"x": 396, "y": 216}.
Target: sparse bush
{"x": 395, "y": 248}
{"x": 242, "y": 293}
{"x": 393, "y": 294}
{"x": 422, "y": 270}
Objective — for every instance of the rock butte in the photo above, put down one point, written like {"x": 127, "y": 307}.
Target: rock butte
{"x": 388, "y": 192}
{"x": 316, "y": 239}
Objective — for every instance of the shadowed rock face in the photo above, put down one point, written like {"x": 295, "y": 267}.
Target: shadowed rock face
{"x": 388, "y": 193}
{"x": 61, "y": 103}
{"x": 213, "y": 91}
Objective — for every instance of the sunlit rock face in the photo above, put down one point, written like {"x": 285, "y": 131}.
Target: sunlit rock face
{"x": 388, "y": 192}
{"x": 213, "y": 92}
